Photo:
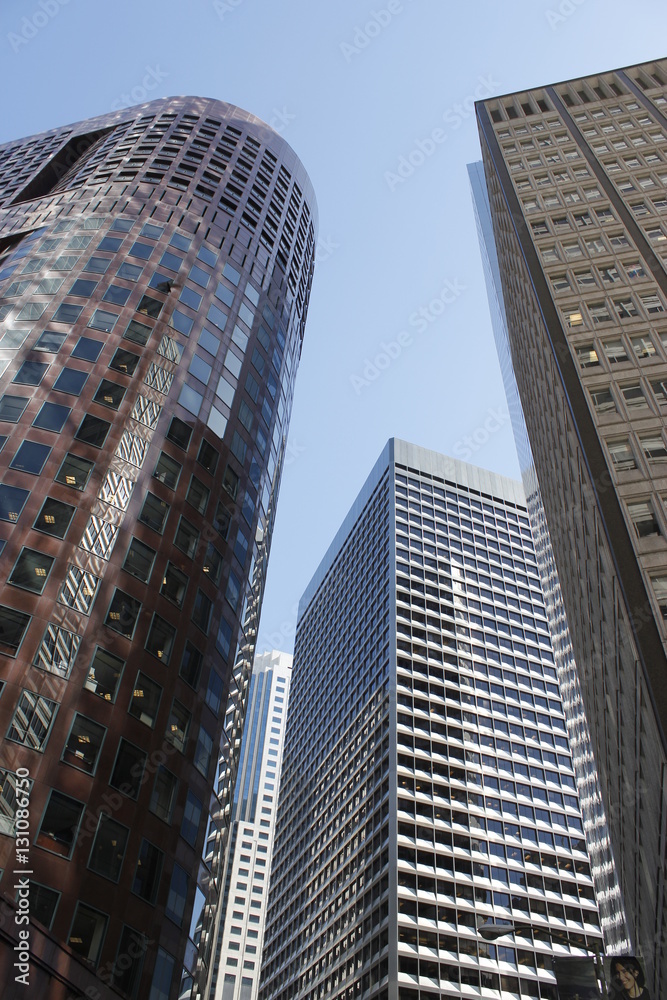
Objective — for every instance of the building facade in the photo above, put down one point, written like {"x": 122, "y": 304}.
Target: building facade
{"x": 427, "y": 784}
{"x": 155, "y": 271}
{"x": 576, "y": 176}
{"x": 248, "y": 861}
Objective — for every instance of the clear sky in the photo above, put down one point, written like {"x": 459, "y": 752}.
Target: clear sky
{"x": 357, "y": 88}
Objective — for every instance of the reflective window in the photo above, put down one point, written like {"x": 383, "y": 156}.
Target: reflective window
{"x": 52, "y": 417}
{"x": 74, "y": 472}
{"x": 12, "y": 501}
{"x": 149, "y": 869}
{"x": 145, "y": 699}
{"x": 104, "y": 674}
{"x": 32, "y": 720}
{"x": 108, "y": 850}
{"x": 54, "y": 518}
{"x": 31, "y": 570}
{"x": 70, "y": 380}
{"x": 123, "y": 613}
{"x": 128, "y": 769}
{"x": 30, "y": 457}
{"x": 84, "y": 744}
{"x": 60, "y": 824}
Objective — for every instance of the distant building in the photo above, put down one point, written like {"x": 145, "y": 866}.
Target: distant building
{"x": 576, "y": 176}
{"x": 427, "y": 784}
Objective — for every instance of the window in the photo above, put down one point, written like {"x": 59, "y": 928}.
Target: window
{"x": 179, "y": 433}
{"x": 87, "y": 933}
{"x": 603, "y": 401}
{"x": 123, "y": 614}
{"x": 141, "y": 250}
{"x": 161, "y": 638}
{"x": 78, "y": 590}
{"x": 57, "y": 650}
{"x": 208, "y": 457}
{"x": 74, "y": 472}
{"x": 84, "y": 743}
{"x": 145, "y": 700}
{"x": 109, "y": 394}
{"x": 87, "y": 349}
{"x": 104, "y": 674}
{"x": 52, "y": 417}
{"x": 654, "y": 448}
{"x": 93, "y": 431}
{"x": 103, "y": 320}
{"x": 12, "y": 502}
{"x": 222, "y": 520}
{"x": 31, "y": 570}
{"x": 128, "y": 769}
{"x": 178, "y": 726}
{"x": 187, "y": 538}
{"x": 167, "y": 470}
{"x": 116, "y": 295}
{"x": 43, "y": 904}
{"x": 213, "y": 563}
{"x": 124, "y": 361}
{"x": 614, "y": 351}
{"x": 13, "y": 625}
{"x": 137, "y": 332}
{"x": 32, "y": 720}
{"x": 149, "y": 869}
{"x": 178, "y": 891}
{"x": 659, "y": 583}
{"x": 174, "y": 585}
{"x": 203, "y": 751}
{"x": 621, "y": 455}
{"x": 66, "y": 313}
{"x": 30, "y": 457}
{"x": 71, "y": 381}
{"x": 191, "y": 665}
{"x": 201, "y": 613}
{"x": 197, "y": 495}
{"x": 108, "y": 850}
{"x": 660, "y": 389}
{"x": 643, "y": 518}
{"x": 214, "y": 692}
{"x": 139, "y": 560}
{"x": 163, "y": 797}
{"x": 643, "y": 346}
{"x": 191, "y": 819}
{"x": 31, "y": 373}
{"x": 60, "y": 824}
{"x": 132, "y": 948}
{"x": 162, "y": 976}
{"x": 12, "y": 407}
{"x": 154, "y": 512}
{"x": 634, "y": 397}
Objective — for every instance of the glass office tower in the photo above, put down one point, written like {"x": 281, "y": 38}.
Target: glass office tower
{"x": 248, "y": 860}
{"x": 155, "y": 271}
{"x": 427, "y": 783}
{"x": 576, "y": 176}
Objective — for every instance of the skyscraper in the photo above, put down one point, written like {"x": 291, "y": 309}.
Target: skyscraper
{"x": 576, "y": 176}
{"x": 155, "y": 274}
{"x": 248, "y": 860}
{"x": 427, "y": 784}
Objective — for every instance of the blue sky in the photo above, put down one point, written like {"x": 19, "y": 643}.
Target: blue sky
{"x": 357, "y": 88}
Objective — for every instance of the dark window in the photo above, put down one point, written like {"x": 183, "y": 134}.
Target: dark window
{"x": 84, "y": 744}
{"x": 174, "y": 585}
{"x": 83, "y": 286}
{"x": 252, "y": 386}
{"x": 151, "y": 231}
{"x": 31, "y": 570}
{"x": 197, "y": 495}
{"x": 128, "y": 769}
{"x": 122, "y": 225}
{"x": 208, "y": 457}
{"x": 52, "y": 417}
{"x": 241, "y": 547}
{"x": 123, "y": 613}
{"x": 60, "y": 824}
{"x": 179, "y": 433}
{"x": 178, "y": 726}
{"x": 132, "y": 949}
{"x": 178, "y": 891}
{"x": 116, "y": 294}
{"x": 131, "y": 272}
{"x": 30, "y": 457}
{"x": 213, "y": 563}
{"x": 230, "y": 482}
{"x": 98, "y": 265}
{"x": 160, "y": 640}
{"x": 87, "y": 349}
{"x": 11, "y": 408}
{"x": 108, "y": 850}
{"x": 161, "y": 283}
{"x": 214, "y": 692}
{"x": 201, "y": 613}
{"x": 109, "y": 394}
{"x": 191, "y": 819}
{"x": 139, "y": 560}
{"x": 239, "y": 447}
{"x": 145, "y": 699}
{"x": 12, "y": 501}
{"x": 50, "y": 342}
{"x": 71, "y": 380}
{"x": 93, "y": 430}
{"x": 103, "y": 320}
{"x": 67, "y": 313}
{"x": 104, "y": 674}
{"x": 137, "y": 332}
{"x": 74, "y": 472}
{"x": 191, "y": 665}
{"x": 54, "y": 518}
{"x": 186, "y": 538}
{"x": 87, "y": 933}
{"x": 163, "y": 798}
{"x": 190, "y": 298}
{"x": 154, "y": 512}
{"x": 31, "y": 373}
{"x": 124, "y": 361}
{"x": 43, "y": 904}
{"x": 13, "y": 625}
{"x": 150, "y": 307}
{"x": 222, "y": 520}
{"x": 167, "y": 470}
{"x": 149, "y": 869}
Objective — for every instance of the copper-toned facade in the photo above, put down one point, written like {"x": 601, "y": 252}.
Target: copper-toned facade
{"x": 576, "y": 175}
{"x": 155, "y": 270}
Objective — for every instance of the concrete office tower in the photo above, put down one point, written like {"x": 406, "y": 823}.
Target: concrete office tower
{"x": 427, "y": 784}
{"x": 248, "y": 859}
{"x": 603, "y": 868}
{"x": 155, "y": 273}
{"x": 576, "y": 176}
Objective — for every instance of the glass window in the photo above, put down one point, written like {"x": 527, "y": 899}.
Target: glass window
{"x": 84, "y": 743}
{"x": 132, "y": 948}
{"x": 145, "y": 699}
{"x": 150, "y": 306}
{"x": 199, "y": 276}
{"x": 50, "y": 342}
{"x": 83, "y": 286}
{"x": 201, "y": 613}
{"x": 31, "y": 570}
{"x": 32, "y": 720}
{"x": 139, "y": 560}
{"x": 160, "y": 641}
{"x": 137, "y": 332}
{"x": 163, "y": 798}
{"x": 634, "y": 396}
{"x": 128, "y": 769}
{"x": 74, "y": 472}
{"x": 178, "y": 892}
{"x": 213, "y": 563}
{"x": 190, "y": 298}
{"x": 167, "y": 470}
{"x": 230, "y": 482}
{"x": 208, "y": 457}
{"x": 123, "y": 613}
{"x": 93, "y": 431}
{"x": 653, "y": 447}
{"x": 179, "y": 321}
{"x": 178, "y": 726}
{"x": 70, "y": 380}
{"x": 614, "y": 351}
{"x": 13, "y": 625}
{"x": 603, "y": 401}
{"x": 174, "y": 585}
{"x": 30, "y": 457}
{"x": 163, "y": 976}
{"x": 154, "y": 512}
{"x": 31, "y": 373}
{"x": 11, "y": 407}
{"x": 171, "y": 261}
{"x": 124, "y": 361}
{"x": 98, "y": 265}
{"x": 87, "y": 349}
{"x": 43, "y": 904}
{"x": 203, "y": 751}
{"x": 149, "y": 869}
{"x": 222, "y": 520}
{"x": 186, "y": 538}
{"x": 78, "y": 590}
{"x": 12, "y": 501}
{"x": 621, "y": 455}
{"x": 117, "y": 295}
{"x": 87, "y": 933}
{"x": 109, "y": 394}
{"x": 198, "y": 495}
{"x": 108, "y": 850}
{"x": 214, "y": 692}
{"x": 200, "y": 369}
{"x": 104, "y": 674}
{"x": 209, "y": 342}
{"x": 60, "y": 824}
{"x": 54, "y": 518}
{"x": 191, "y": 819}
{"x": 191, "y": 664}
{"x": 180, "y": 433}
{"x": 643, "y": 518}
{"x": 66, "y": 313}
{"x": 52, "y": 417}
{"x": 141, "y": 250}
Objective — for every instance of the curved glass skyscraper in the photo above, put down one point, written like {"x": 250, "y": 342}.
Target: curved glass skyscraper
{"x": 155, "y": 269}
